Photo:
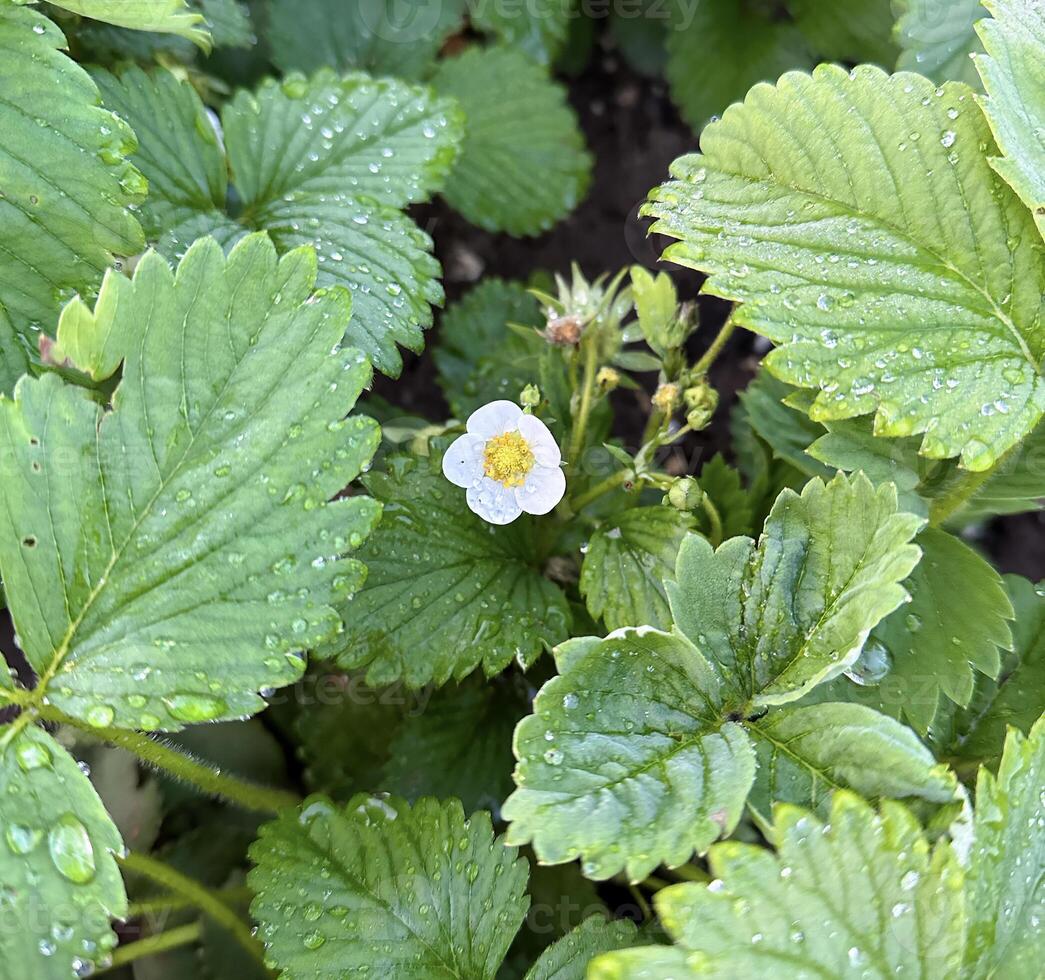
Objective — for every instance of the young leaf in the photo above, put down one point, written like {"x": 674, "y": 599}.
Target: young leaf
{"x": 167, "y": 559}
{"x": 934, "y": 325}
{"x": 478, "y": 357}
{"x": 418, "y": 893}
{"x": 627, "y": 761}
{"x": 523, "y": 162}
{"x": 955, "y": 624}
{"x": 568, "y": 959}
{"x": 806, "y": 752}
{"x": 59, "y": 882}
{"x": 66, "y": 185}
{"x": 327, "y": 162}
{"x": 863, "y": 894}
{"x": 794, "y": 610}
{"x": 446, "y": 592}
{"x": 629, "y": 559}
{"x": 156, "y": 16}
{"x": 718, "y": 49}
{"x": 1007, "y": 865}
{"x": 1015, "y": 103}
{"x": 936, "y": 39}
{"x": 381, "y": 37}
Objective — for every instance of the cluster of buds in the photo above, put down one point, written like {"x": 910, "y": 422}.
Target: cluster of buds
{"x": 701, "y": 400}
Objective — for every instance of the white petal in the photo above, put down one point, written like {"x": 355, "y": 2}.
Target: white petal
{"x": 493, "y": 419}
{"x": 542, "y": 443}
{"x": 463, "y": 461}
{"x": 494, "y": 503}
{"x": 542, "y": 490}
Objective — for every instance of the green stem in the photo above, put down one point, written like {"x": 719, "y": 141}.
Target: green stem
{"x": 250, "y": 796}
{"x": 690, "y": 872}
{"x": 175, "y": 903}
{"x": 162, "y": 942}
{"x": 611, "y": 482}
{"x": 714, "y": 519}
{"x": 951, "y": 502}
{"x": 197, "y": 895}
{"x": 580, "y": 424}
{"x": 710, "y": 355}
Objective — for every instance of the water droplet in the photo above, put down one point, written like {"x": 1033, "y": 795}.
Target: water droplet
{"x": 71, "y": 850}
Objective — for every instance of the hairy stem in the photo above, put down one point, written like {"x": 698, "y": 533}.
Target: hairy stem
{"x": 720, "y": 341}
{"x": 197, "y": 895}
{"x": 946, "y": 506}
{"x": 611, "y": 482}
{"x": 250, "y": 796}
{"x": 162, "y": 942}
{"x": 175, "y": 903}
{"x": 580, "y": 423}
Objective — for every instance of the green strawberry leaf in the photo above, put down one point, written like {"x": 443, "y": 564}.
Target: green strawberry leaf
{"x": 718, "y": 49}
{"x": 795, "y": 210}
{"x": 956, "y": 624}
{"x": 734, "y": 504}
{"x": 568, "y": 958}
{"x": 782, "y": 616}
{"x": 59, "y": 882}
{"x": 1015, "y": 105}
{"x": 478, "y": 357}
{"x": 629, "y": 559}
{"x": 381, "y": 37}
{"x": 327, "y": 162}
{"x": 459, "y": 744}
{"x": 645, "y": 747}
{"x": 167, "y": 559}
{"x": 848, "y": 30}
{"x": 418, "y": 893}
{"x": 862, "y": 894}
{"x": 1007, "y": 865}
{"x": 537, "y": 27}
{"x": 806, "y": 752}
{"x": 627, "y": 761}
{"x": 66, "y": 184}
{"x": 1017, "y": 698}
{"x": 156, "y": 16}
{"x": 446, "y": 592}
{"x": 523, "y": 162}
{"x": 936, "y": 39}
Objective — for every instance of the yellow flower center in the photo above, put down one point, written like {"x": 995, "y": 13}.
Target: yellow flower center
{"x": 507, "y": 459}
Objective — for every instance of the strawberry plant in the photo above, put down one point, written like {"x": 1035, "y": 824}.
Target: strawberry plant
{"x": 654, "y": 623}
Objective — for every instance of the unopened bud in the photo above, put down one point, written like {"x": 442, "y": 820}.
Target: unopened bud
{"x": 530, "y": 396}
{"x": 685, "y": 494}
{"x": 701, "y": 402}
{"x": 607, "y": 379}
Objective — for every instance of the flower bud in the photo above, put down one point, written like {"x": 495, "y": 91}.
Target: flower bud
{"x": 607, "y": 379}
{"x": 530, "y": 396}
{"x": 685, "y": 494}
{"x": 701, "y": 401}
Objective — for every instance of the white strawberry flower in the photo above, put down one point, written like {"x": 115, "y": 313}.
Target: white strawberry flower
{"x": 508, "y": 462}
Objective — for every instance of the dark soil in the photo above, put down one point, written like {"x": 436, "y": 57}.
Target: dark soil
{"x": 634, "y": 132}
